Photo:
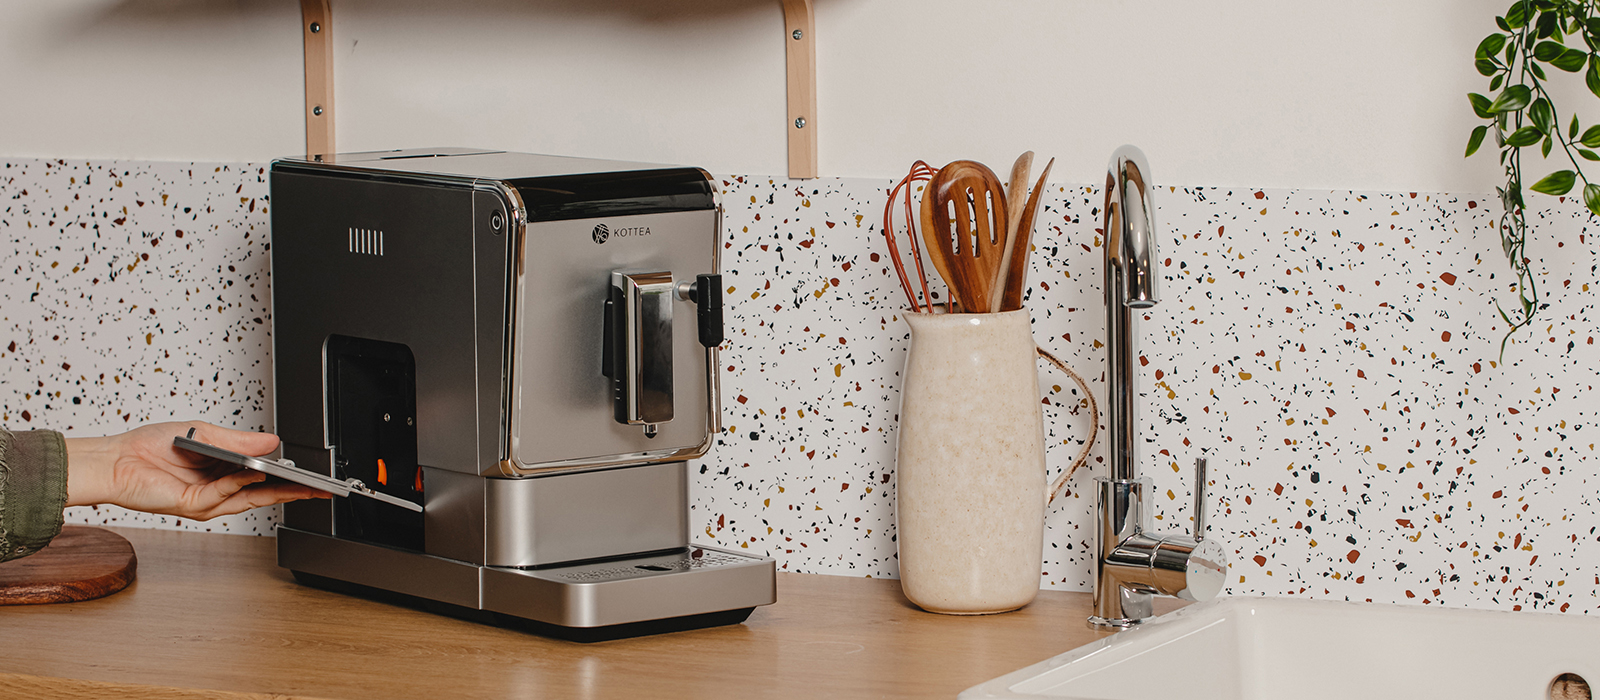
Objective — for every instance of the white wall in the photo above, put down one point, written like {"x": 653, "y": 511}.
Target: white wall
{"x": 1367, "y": 94}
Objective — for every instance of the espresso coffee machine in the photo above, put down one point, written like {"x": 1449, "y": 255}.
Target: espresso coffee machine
{"x": 525, "y": 346}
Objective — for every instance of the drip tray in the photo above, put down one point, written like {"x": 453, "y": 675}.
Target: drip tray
{"x": 699, "y": 579}
{"x": 693, "y": 581}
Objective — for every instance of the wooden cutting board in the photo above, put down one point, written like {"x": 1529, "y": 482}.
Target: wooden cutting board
{"x": 81, "y": 563}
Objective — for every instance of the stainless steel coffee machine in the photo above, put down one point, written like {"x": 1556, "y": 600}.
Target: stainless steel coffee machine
{"x": 524, "y": 345}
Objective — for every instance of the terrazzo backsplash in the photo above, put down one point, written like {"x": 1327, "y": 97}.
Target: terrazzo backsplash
{"x": 1334, "y": 354}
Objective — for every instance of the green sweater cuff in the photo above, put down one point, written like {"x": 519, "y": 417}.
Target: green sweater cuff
{"x": 33, "y": 490}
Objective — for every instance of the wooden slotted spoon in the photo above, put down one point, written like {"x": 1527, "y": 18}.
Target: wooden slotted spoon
{"x": 967, "y": 247}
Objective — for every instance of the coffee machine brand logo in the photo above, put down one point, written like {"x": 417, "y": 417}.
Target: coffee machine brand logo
{"x": 603, "y": 233}
{"x": 365, "y": 241}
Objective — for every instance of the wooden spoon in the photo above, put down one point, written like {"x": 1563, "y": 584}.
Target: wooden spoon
{"x": 978, "y": 229}
{"x": 1016, "y": 194}
{"x": 938, "y": 249}
{"x": 1021, "y": 240}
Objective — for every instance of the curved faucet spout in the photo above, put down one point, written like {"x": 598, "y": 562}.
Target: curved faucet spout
{"x": 1130, "y": 226}
{"x": 1130, "y": 284}
{"x": 1132, "y": 563}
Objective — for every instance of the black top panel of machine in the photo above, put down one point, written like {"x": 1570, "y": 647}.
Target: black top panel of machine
{"x": 553, "y": 188}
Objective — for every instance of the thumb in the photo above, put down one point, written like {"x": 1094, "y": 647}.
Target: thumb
{"x": 242, "y": 441}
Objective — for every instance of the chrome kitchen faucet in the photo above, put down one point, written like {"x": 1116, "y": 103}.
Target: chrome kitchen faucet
{"x": 1133, "y": 564}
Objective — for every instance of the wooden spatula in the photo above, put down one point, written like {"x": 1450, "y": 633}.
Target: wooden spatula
{"x": 1016, "y": 198}
{"x": 1021, "y": 240}
{"x": 966, "y": 206}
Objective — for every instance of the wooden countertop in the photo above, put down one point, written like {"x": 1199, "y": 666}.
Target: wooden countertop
{"x": 215, "y": 613}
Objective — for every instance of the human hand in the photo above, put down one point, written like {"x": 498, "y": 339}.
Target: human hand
{"x": 142, "y": 470}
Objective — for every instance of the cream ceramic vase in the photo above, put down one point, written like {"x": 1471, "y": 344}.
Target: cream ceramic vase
{"x": 970, "y": 471}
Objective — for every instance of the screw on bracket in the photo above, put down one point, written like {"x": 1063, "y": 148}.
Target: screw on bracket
{"x": 317, "y": 110}
{"x": 316, "y": 28}
{"x": 797, "y": 34}
{"x": 799, "y": 122}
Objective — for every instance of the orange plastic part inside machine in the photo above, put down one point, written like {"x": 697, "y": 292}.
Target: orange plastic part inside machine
{"x": 383, "y": 473}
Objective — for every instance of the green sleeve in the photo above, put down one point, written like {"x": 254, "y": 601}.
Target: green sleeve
{"x": 33, "y": 490}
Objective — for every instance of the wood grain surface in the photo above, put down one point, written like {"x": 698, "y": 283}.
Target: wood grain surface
{"x": 214, "y": 612}
{"x": 17, "y": 685}
{"x": 81, "y": 563}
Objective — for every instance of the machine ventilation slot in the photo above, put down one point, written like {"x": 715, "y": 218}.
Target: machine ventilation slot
{"x": 608, "y": 574}
{"x": 366, "y": 241}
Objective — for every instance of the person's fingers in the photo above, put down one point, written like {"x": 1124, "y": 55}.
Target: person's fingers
{"x": 258, "y": 495}
{"x": 222, "y": 488}
{"x": 242, "y": 441}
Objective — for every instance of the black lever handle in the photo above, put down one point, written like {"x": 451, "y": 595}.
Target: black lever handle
{"x": 608, "y": 337}
{"x": 707, "y": 295}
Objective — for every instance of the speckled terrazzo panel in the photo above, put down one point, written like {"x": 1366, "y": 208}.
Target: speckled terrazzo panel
{"x": 1334, "y": 352}
{"x": 132, "y": 293}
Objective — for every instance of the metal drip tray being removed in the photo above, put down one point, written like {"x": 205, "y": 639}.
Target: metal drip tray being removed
{"x": 609, "y": 594}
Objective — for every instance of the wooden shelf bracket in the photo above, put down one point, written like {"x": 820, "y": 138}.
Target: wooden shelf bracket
{"x": 800, "y": 58}
{"x": 800, "y": 54}
{"x": 317, "y": 30}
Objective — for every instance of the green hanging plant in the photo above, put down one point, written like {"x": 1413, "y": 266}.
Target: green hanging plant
{"x": 1537, "y": 33}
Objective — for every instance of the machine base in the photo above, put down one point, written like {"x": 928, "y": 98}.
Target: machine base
{"x": 572, "y": 634}
{"x": 591, "y": 601}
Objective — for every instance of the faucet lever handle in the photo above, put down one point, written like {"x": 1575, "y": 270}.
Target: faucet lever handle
{"x": 1199, "y": 498}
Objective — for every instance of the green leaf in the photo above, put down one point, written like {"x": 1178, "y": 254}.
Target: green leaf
{"x": 1485, "y": 67}
{"x": 1588, "y": 154}
{"x": 1545, "y": 25}
{"x": 1544, "y": 149}
{"x": 1526, "y": 136}
{"x": 1571, "y": 60}
{"x": 1503, "y": 24}
{"x": 1557, "y": 183}
{"x": 1591, "y": 137}
{"x": 1542, "y": 115}
{"x": 1592, "y": 24}
{"x": 1572, "y": 131}
{"x": 1592, "y": 78}
{"x": 1514, "y": 98}
{"x": 1591, "y": 198}
{"x": 1537, "y": 71}
{"x": 1495, "y": 84}
{"x": 1476, "y": 140}
{"x": 1480, "y": 105}
{"x": 1548, "y": 50}
{"x": 1491, "y": 45}
{"x": 1517, "y": 16}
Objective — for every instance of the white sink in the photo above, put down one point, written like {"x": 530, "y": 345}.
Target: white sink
{"x": 1259, "y": 648}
